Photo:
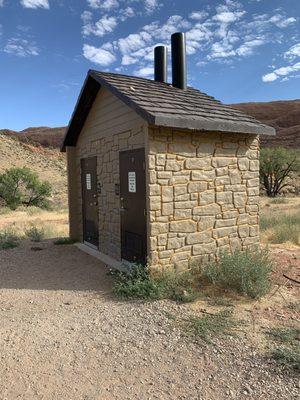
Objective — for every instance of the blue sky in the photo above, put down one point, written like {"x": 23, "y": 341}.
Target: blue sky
{"x": 238, "y": 51}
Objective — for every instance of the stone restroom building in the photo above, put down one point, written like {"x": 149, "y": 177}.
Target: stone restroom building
{"x": 160, "y": 173}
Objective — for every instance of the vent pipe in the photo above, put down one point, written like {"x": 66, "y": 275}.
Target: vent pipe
{"x": 161, "y": 64}
{"x": 178, "y": 47}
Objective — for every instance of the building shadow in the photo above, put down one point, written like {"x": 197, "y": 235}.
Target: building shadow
{"x": 45, "y": 266}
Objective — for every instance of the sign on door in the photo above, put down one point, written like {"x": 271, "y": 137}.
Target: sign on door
{"x": 131, "y": 182}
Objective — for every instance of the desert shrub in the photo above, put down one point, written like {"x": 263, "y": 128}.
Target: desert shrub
{"x": 138, "y": 283}
{"x": 208, "y": 326}
{"x": 287, "y": 350}
{"x": 63, "y": 240}
{"x": 35, "y": 234}
{"x": 276, "y": 165}
{"x": 244, "y": 272}
{"x": 8, "y": 239}
{"x": 21, "y": 186}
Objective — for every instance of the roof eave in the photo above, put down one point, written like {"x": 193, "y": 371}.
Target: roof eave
{"x": 218, "y": 126}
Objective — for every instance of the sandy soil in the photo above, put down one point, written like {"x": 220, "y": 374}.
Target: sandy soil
{"x": 64, "y": 336}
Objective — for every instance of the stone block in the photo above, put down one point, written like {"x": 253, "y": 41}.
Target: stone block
{"x": 207, "y": 197}
{"x": 212, "y": 209}
{"x": 254, "y": 165}
{"x": 160, "y": 159}
{"x": 157, "y": 147}
{"x": 243, "y": 231}
{"x": 199, "y": 237}
{"x": 173, "y": 165}
{"x": 243, "y": 164}
{"x": 205, "y": 248}
{"x": 206, "y": 223}
{"x": 226, "y": 231}
{"x": 253, "y": 182}
{"x": 218, "y": 162}
{"x": 167, "y": 194}
{"x": 203, "y": 175}
{"x": 198, "y": 163}
{"x": 183, "y": 226}
{"x": 197, "y": 187}
{"x": 155, "y": 203}
{"x": 157, "y": 228}
{"x": 185, "y": 204}
{"x": 183, "y": 149}
{"x": 221, "y": 223}
{"x": 254, "y": 230}
{"x": 154, "y": 190}
{"x": 224, "y": 197}
{"x": 162, "y": 239}
{"x": 182, "y": 213}
{"x": 239, "y": 199}
{"x": 205, "y": 149}
{"x": 167, "y": 209}
{"x": 175, "y": 243}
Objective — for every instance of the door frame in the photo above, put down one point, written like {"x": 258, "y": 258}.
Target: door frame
{"x": 92, "y": 245}
{"x": 144, "y": 236}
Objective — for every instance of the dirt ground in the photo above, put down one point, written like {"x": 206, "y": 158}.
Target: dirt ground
{"x": 64, "y": 336}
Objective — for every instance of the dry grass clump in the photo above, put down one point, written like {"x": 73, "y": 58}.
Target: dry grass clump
{"x": 280, "y": 220}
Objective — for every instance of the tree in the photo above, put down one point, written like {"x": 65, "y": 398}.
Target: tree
{"x": 21, "y": 186}
{"x": 276, "y": 165}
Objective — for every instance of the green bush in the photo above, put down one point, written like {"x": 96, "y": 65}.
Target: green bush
{"x": 138, "y": 283}
{"x": 35, "y": 234}
{"x": 64, "y": 240}
{"x": 8, "y": 239}
{"x": 21, "y": 186}
{"x": 244, "y": 272}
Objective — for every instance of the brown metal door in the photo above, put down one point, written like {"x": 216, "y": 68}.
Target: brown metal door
{"x": 133, "y": 205}
{"x": 89, "y": 200}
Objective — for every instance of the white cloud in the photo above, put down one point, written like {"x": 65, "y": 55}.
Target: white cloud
{"x": 35, "y": 4}
{"x": 283, "y": 72}
{"x": 144, "y": 72}
{"x": 98, "y": 55}
{"x": 134, "y": 42}
{"x": 293, "y": 52}
{"x": 151, "y": 5}
{"x": 104, "y": 4}
{"x": 281, "y": 21}
{"x": 128, "y": 12}
{"x": 21, "y": 47}
{"x": 103, "y": 26}
{"x": 1, "y": 3}
{"x": 247, "y": 48}
{"x": 198, "y": 15}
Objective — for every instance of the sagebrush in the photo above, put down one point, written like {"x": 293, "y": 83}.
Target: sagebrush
{"x": 139, "y": 283}
{"x": 8, "y": 239}
{"x": 245, "y": 272}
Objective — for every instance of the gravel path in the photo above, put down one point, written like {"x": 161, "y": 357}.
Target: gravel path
{"x": 63, "y": 336}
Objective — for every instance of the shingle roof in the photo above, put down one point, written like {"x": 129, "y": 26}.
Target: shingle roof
{"x": 162, "y": 104}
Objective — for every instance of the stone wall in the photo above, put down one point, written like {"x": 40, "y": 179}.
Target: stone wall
{"x": 203, "y": 195}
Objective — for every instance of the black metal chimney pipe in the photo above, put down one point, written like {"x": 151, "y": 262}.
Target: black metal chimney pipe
{"x": 178, "y": 46}
{"x": 161, "y": 64}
